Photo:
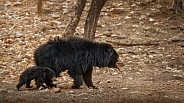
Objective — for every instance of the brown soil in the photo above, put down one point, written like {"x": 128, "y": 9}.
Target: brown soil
{"x": 145, "y": 35}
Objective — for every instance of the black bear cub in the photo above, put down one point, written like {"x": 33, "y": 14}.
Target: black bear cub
{"x": 40, "y": 74}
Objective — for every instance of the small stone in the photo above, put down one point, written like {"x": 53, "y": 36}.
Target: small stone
{"x": 117, "y": 10}
{"x": 18, "y": 34}
{"x": 64, "y": 86}
{"x": 175, "y": 39}
{"x": 151, "y": 19}
{"x": 108, "y": 81}
{"x": 70, "y": 91}
{"x": 56, "y": 90}
{"x": 178, "y": 77}
{"x": 166, "y": 71}
{"x": 125, "y": 88}
{"x": 142, "y": 17}
{"x": 115, "y": 73}
{"x": 18, "y": 59}
{"x": 55, "y": 16}
{"x": 181, "y": 44}
{"x": 17, "y": 3}
{"x": 135, "y": 26}
{"x": 147, "y": 28}
{"x": 114, "y": 35}
{"x": 127, "y": 17}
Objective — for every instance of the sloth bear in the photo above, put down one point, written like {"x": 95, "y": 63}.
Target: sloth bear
{"x": 40, "y": 74}
{"x": 78, "y": 56}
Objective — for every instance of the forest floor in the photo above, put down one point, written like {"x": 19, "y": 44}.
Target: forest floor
{"x": 145, "y": 34}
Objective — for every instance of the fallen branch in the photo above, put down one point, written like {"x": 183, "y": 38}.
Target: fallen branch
{"x": 134, "y": 44}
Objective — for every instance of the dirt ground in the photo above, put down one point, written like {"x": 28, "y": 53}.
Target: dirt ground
{"x": 145, "y": 34}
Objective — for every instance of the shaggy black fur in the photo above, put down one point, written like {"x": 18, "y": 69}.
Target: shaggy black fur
{"x": 76, "y": 54}
{"x": 40, "y": 74}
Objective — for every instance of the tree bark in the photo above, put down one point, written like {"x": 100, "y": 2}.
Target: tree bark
{"x": 72, "y": 24}
{"x": 92, "y": 18}
{"x": 177, "y": 7}
{"x": 39, "y": 8}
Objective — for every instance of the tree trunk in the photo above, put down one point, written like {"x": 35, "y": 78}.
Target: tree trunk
{"x": 72, "y": 24}
{"x": 178, "y": 6}
{"x": 39, "y": 8}
{"x": 92, "y": 18}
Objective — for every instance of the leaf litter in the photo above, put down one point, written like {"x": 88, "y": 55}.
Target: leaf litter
{"x": 151, "y": 73}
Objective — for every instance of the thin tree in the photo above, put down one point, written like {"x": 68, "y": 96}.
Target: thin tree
{"x": 177, "y": 7}
{"x": 72, "y": 24}
{"x": 91, "y": 20}
{"x": 39, "y": 8}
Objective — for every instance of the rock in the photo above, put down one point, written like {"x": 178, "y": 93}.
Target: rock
{"x": 114, "y": 35}
{"x": 17, "y": 3}
{"x": 18, "y": 34}
{"x": 117, "y": 10}
{"x": 56, "y": 90}
{"x": 115, "y": 73}
{"x": 178, "y": 77}
{"x": 55, "y": 16}
{"x": 135, "y": 26}
{"x": 64, "y": 86}
{"x": 151, "y": 19}
{"x": 147, "y": 28}
{"x": 55, "y": 22}
{"x": 166, "y": 71}
{"x": 125, "y": 88}
{"x": 108, "y": 81}
{"x": 181, "y": 44}
{"x": 177, "y": 38}
{"x": 18, "y": 59}
{"x": 127, "y": 17}
{"x": 142, "y": 17}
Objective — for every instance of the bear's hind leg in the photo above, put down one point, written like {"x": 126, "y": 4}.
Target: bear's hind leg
{"x": 40, "y": 82}
{"x": 49, "y": 83}
{"x": 20, "y": 84}
{"x": 28, "y": 82}
{"x": 78, "y": 79}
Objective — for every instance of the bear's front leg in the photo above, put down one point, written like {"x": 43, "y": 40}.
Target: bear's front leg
{"x": 88, "y": 78}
